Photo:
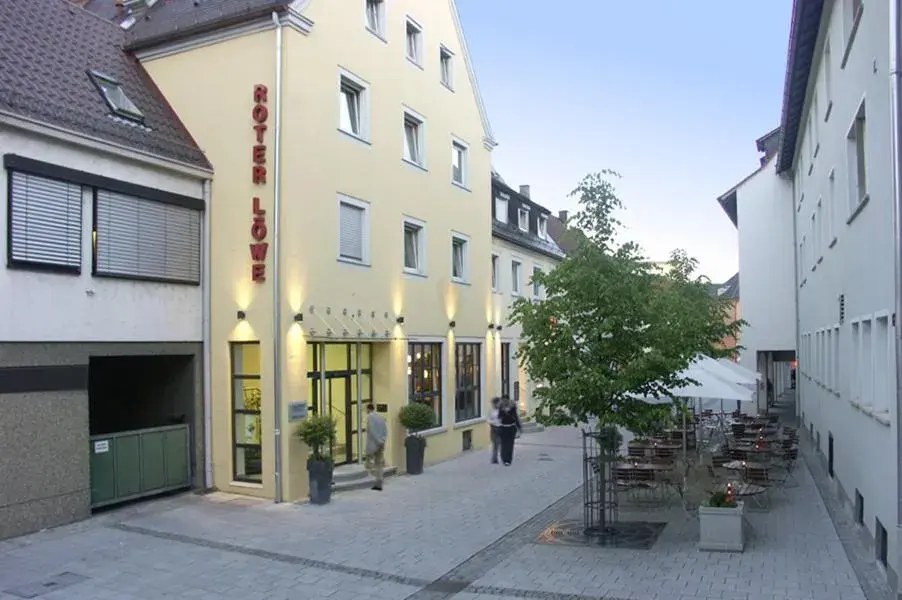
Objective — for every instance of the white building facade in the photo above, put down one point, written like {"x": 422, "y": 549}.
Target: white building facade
{"x": 521, "y": 247}
{"x": 760, "y": 207}
{"x": 102, "y": 275}
{"x": 837, "y": 154}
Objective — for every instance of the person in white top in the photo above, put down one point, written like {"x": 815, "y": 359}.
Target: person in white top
{"x": 495, "y": 424}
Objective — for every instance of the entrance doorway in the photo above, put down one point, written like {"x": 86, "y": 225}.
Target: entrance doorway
{"x": 340, "y": 384}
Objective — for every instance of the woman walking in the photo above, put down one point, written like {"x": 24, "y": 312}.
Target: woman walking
{"x": 508, "y": 428}
{"x": 495, "y": 425}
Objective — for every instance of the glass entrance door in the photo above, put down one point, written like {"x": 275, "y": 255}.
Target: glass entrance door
{"x": 339, "y": 378}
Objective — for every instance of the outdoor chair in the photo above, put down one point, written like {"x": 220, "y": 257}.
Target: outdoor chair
{"x": 786, "y": 462}
{"x": 760, "y": 477}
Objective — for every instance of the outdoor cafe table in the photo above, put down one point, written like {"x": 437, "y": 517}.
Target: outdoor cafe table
{"x": 738, "y": 465}
{"x": 644, "y": 466}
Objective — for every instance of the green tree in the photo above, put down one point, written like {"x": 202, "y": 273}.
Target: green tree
{"x": 613, "y": 328}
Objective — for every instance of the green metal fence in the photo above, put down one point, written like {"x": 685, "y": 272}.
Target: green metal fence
{"x": 133, "y": 464}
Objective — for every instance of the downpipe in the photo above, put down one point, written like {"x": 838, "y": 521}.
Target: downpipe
{"x": 277, "y": 270}
{"x": 207, "y": 352}
{"x": 895, "y": 61}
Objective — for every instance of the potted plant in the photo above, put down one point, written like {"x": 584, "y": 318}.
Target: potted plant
{"x": 416, "y": 417}
{"x": 721, "y": 523}
{"x": 318, "y": 432}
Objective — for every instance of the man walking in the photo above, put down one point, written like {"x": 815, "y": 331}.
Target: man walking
{"x": 376, "y": 435}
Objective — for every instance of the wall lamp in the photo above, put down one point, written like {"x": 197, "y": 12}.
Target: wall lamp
{"x": 400, "y": 320}
{"x": 241, "y": 315}
{"x": 498, "y": 328}
{"x": 452, "y": 324}
{"x": 299, "y": 317}
{"x": 491, "y": 326}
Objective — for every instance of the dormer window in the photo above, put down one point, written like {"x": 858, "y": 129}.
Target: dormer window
{"x": 523, "y": 219}
{"x": 543, "y": 227}
{"x": 115, "y": 97}
{"x": 501, "y": 209}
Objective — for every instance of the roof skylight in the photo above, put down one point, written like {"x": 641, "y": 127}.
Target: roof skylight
{"x": 115, "y": 97}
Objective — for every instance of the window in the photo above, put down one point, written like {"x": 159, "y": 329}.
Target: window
{"x": 828, "y": 360}
{"x": 460, "y": 250}
{"x": 467, "y": 400}
{"x": 543, "y": 227}
{"x": 459, "y": 153}
{"x": 247, "y": 423}
{"x": 115, "y": 97}
{"x": 143, "y": 239}
{"x": 44, "y": 222}
{"x": 857, "y": 161}
{"x": 854, "y": 383}
{"x": 815, "y": 115}
{"x": 446, "y": 64}
{"x": 523, "y": 219}
{"x": 831, "y": 208}
{"x": 424, "y": 374}
{"x": 353, "y": 230}
{"x": 516, "y": 278}
{"x": 353, "y": 105}
{"x": 851, "y": 16}
{"x": 818, "y": 230}
{"x": 375, "y": 17}
{"x": 414, "y": 42}
{"x": 836, "y": 361}
{"x": 828, "y": 79}
{"x": 495, "y": 273}
{"x": 501, "y": 208}
{"x": 883, "y": 364}
{"x": 414, "y": 139}
{"x": 414, "y": 246}
{"x": 505, "y": 369}
{"x": 536, "y": 287}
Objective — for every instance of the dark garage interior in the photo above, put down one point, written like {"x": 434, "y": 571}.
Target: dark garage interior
{"x": 142, "y": 423}
{"x": 136, "y": 392}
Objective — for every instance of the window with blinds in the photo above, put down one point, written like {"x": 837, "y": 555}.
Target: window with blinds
{"x": 143, "y": 239}
{"x": 44, "y": 222}
{"x": 352, "y": 234}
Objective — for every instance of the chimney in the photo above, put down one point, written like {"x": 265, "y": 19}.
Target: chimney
{"x": 524, "y": 190}
{"x": 562, "y": 215}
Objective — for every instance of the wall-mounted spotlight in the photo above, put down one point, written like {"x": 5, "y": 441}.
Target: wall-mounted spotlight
{"x": 299, "y": 318}
{"x": 491, "y": 326}
{"x": 400, "y": 320}
{"x": 241, "y": 315}
{"x": 452, "y": 324}
{"x": 498, "y": 328}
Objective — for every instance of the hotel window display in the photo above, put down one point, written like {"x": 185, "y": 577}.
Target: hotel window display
{"x": 424, "y": 374}
{"x": 467, "y": 404}
{"x": 247, "y": 424}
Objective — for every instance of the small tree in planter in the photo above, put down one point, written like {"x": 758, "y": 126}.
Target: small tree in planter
{"x": 318, "y": 432}
{"x": 721, "y": 523}
{"x": 416, "y": 417}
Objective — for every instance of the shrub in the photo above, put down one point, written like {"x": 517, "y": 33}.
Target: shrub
{"x": 721, "y": 500}
{"x": 416, "y": 417}
{"x": 317, "y": 431}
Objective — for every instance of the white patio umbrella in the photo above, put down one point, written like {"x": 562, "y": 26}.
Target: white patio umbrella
{"x": 737, "y": 368}
{"x": 726, "y": 373}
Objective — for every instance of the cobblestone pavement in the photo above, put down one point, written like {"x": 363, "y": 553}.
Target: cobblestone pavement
{"x": 464, "y": 530}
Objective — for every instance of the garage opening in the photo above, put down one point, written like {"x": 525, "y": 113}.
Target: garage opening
{"x": 141, "y": 412}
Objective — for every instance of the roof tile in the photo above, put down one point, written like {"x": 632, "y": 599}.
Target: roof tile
{"x": 46, "y": 49}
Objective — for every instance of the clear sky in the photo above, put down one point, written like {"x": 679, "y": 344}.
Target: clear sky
{"x": 670, "y": 94}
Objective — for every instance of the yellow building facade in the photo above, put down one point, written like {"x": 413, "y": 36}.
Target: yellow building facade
{"x": 350, "y": 231}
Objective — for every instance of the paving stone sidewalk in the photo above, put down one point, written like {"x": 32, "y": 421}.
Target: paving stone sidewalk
{"x": 464, "y": 529}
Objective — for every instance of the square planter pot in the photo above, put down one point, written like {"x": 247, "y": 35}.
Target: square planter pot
{"x": 721, "y": 529}
{"x": 415, "y": 451}
{"x": 320, "y": 474}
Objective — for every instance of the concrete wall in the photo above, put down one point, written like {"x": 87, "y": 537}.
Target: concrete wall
{"x": 44, "y": 429}
{"x": 848, "y": 250}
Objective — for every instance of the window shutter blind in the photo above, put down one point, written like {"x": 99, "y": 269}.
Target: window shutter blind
{"x": 351, "y": 242}
{"x": 146, "y": 239}
{"x": 45, "y": 221}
